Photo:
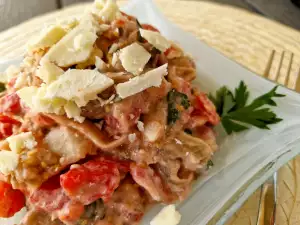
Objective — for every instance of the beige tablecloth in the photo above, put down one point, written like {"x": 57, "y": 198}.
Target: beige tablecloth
{"x": 241, "y": 36}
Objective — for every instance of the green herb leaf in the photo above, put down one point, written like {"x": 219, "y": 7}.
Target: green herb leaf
{"x": 155, "y": 51}
{"x": 2, "y": 87}
{"x": 188, "y": 131}
{"x": 237, "y": 115}
{"x": 209, "y": 164}
{"x": 175, "y": 98}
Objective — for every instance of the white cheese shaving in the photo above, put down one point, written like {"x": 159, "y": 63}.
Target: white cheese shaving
{"x": 48, "y": 71}
{"x": 113, "y": 48}
{"x": 178, "y": 141}
{"x": 79, "y": 86}
{"x": 21, "y": 81}
{"x": 48, "y": 37}
{"x": 167, "y": 216}
{"x": 132, "y": 137}
{"x": 107, "y": 10}
{"x": 73, "y": 111}
{"x": 115, "y": 59}
{"x": 76, "y": 46}
{"x": 134, "y": 58}
{"x": 156, "y": 39}
{"x": 152, "y": 131}
{"x": 8, "y": 162}
{"x": 11, "y": 72}
{"x": 20, "y": 141}
{"x": 140, "y": 126}
{"x": 152, "y": 78}
{"x": 100, "y": 64}
{"x": 34, "y": 98}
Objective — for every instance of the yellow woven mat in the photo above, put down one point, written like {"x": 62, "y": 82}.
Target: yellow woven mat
{"x": 238, "y": 34}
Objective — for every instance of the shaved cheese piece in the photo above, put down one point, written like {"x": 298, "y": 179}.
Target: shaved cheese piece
{"x": 48, "y": 37}
{"x": 68, "y": 24}
{"x": 132, "y": 137}
{"x": 107, "y": 10}
{"x": 21, "y": 81}
{"x": 100, "y": 64}
{"x": 153, "y": 131}
{"x": 26, "y": 94}
{"x": 8, "y": 162}
{"x": 48, "y": 71}
{"x": 21, "y": 141}
{"x": 76, "y": 46}
{"x": 34, "y": 98}
{"x": 79, "y": 86}
{"x": 152, "y": 78}
{"x": 156, "y": 39}
{"x": 167, "y": 216}
{"x": 134, "y": 57}
{"x": 11, "y": 72}
{"x": 73, "y": 111}
{"x": 140, "y": 126}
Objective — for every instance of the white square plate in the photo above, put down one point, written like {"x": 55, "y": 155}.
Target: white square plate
{"x": 245, "y": 160}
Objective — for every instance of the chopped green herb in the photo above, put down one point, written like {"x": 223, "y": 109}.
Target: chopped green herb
{"x": 92, "y": 212}
{"x": 2, "y": 87}
{"x": 176, "y": 98}
{"x": 209, "y": 164}
{"x": 236, "y": 114}
{"x": 188, "y": 131}
{"x": 155, "y": 51}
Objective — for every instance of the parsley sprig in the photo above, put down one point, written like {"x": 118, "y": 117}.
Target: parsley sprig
{"x": 236, "y": 114}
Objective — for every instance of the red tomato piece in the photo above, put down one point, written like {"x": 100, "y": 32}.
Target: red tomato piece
{"x": 169, "y": 50}
{"x": 12, "y": 82}
{"x": 203, "y": 106}
{"x": 10, "y": 104}
{"x": 6, "y": 125}
{"x": 10, "y": 120}
{"x": 91, "y": 181}
{"x": 149, "y": 27}
{"x": 49, "y": 196}
{"x": 11, "y": 200}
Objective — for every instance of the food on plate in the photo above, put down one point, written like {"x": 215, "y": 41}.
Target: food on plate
{"x": 100, "y": 122}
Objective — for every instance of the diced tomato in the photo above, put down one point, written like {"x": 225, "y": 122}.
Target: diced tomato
{"x": 10, "y": 120}
{"x": 146, "y": 177}
{"x": 203, "y": 106}
{"x": 12, "y": 82}
{"x": 149, "y": 27}
{"x": 123, "y": 166}
{"x": 6, "y": 125}
{"x": 91, "y": 181}
{"x": 11, "y": 201}
{"x": 49, "y": 196}
{"x": 169, "y": 50}
{"x": 10, "y": 104}
{"x": 119, "y": 22}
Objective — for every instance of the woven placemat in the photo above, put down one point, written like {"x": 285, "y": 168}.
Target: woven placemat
{"x": 238, "y": 34}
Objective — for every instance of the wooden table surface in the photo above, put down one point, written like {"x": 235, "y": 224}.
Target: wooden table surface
{"x": 242, "y": 36}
